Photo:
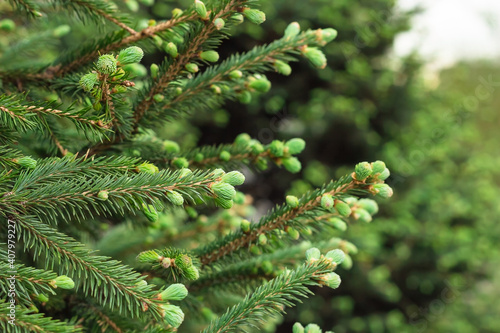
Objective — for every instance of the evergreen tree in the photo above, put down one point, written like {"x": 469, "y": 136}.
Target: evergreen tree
{"x": 87, "y": 165}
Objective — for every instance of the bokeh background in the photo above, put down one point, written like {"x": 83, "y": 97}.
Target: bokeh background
{"x": 415, "y": 84}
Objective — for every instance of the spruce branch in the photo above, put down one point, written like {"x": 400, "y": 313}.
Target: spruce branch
{"x": 98, "y": 276}
{"x": 27, "y": 6}
{"x": 28, "y": 322}
{"x": 287, "y": 215}
{"x": 270, "y": 298}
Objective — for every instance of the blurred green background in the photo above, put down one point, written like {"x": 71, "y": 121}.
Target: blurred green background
{"x": 429, "y": 261}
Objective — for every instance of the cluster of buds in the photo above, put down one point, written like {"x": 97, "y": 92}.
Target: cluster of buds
{"x": 311, "y": 328}
{"x": 223, "y": 189}
{"x": 375, "y": 172}
{"x": 172, "y": 313}
{"x": 109, "y": 69}
{"x": 181, "y": 264}
{"x": 334, "y": 258}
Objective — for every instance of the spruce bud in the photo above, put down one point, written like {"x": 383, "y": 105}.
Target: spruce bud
{"x": 277, "y": 148}
{"x": 292, "y": 164}
{"x": 369, "y": 205}
{"x": 338, "y": 224}
{"x": 297, "y": 328}
{"x": 384, "y": 175}
{"x": 313, "y": 254}
{"x": 245, "y": 225}
{"x": 233, "y": 178}
{"x": 63, "y": 282}
{"x": 313, "y": 328}
{"x": 180, "y": 162}
{"x": 218, "y": 173}
{"x": 342, "y": 208}
{"x": 192, "y": 273}
{"x": 174, "y": 292}
{"x": 173, "y": 314}
{"x": 256, "y": 146}
{"x": 154, "y": 70}
{"x": 254, "y": 15}
{"x": 292, "y": 201}
{"x": 224, "y": 190}
{"x": 236, "y": 74}
{"x": 219, "y": 23}
{"x": 282, "y": 67}
{"x": 130, "y": 55}
{"x": 7, "y": 25}
{"x": 210, "y": 56}
{"x": 158, "y": 98}
{"x": 175, "y": 198}
{"x": 327, "y": 201}
{"x": 267, "y": 267}
{"x": 171, "y": 147}
{"x": 295, "y": 146}
{"x": 292, "y": 30}
{"x": 383, "y": 190}
{"x": 200, "y": 9}
{"x": 329, "y": 34}
{"x": 42, "y": 298}
{"x": 238, "y": 18}
{"x": 242, "y": 139}
{"x": 337, "y": 256}
{"x": 147, "y": 168}
{"x": 176, "y": 12}
{"x": 150, "y": 212}
{"x": 26, "y": 162}
{"x": 244, "y": 97}
{"x": 148, "y": 257}
{"x": 239, "y": 198}
{"x": 106, "y": 64}
{"x": 88, "y": 81}
{"x": 225, "y": 156}
{"x": 362, "y": 215}
{"x": 262, "y": 239}
{"x": 331, "y": 280}
{"x": 185, "y": 172}
{"x": 362, "y": 171}
{"x": 261, "y": 85}
{"x": 191, "y": 67}
{"x": 171, "y": 49}
{"x": 198, "y": 157}
{"x": 315, "y": 56}
{"x": 293, "y": 233}
{"x": 103, "y": 195}
{"x": 347, "y": 263}
{"x": 378, "y": 167}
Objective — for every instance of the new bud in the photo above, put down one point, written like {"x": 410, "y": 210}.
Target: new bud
{"x": 327, "y": 35}
{"x": 292, "y": 164}
{"x": 180, "y": 162}
{"x": 192, "y": 68}
{"x": 342, "y": 208}
{"x": 313, "y": 254}
{"x": 224, "y": 190}
{"x": 295, "y": 146}
{"x": 192, "y": 273}
{"x": 338, "y": 224}
{"x": 174, "y": 292}
{"x": 293, "y": 233}
{"x": 225, "y": 156}
{"x": 292, "y": 201}
{"x": 171, "y": 147}
{"x": 210, "y": 56}
{"x": 173, "y": 314}
{"x": 26, "y": 162}
{"x": 88, "y": 81}
{"x": 219, "y": 23}
{"x": 378, "y": 167}
{"x": 262, "y": 239}
{"x": 63, "y": 282}
{"x": 277, "y": 148}
{"x": 383, "y": 190}
{"x": 233, "y": 178}
{"x": 315, "y": 56}
{"x": 313, "y": 328}
{"x": 130, "y": 55}
{"x": 254, "y": 15}
{"x": 337, "y": 256}
{"x": 244, "y": 97}
{"x": 42, "y": 298}
{"x": 175, "y": 198}
{"x": 362, "y": 171}
{"x": 148, "y": 257}
{"x": 292, "y": 30}
{"x": 369, "y": 205}
{"x": 384, "y": 175}
{"x": 331, "y": 280}
{"x": 282, "y": 67}
{"x": 147, "y": 168}
{"x": 236, "y": 74}
{"x": 158, "y": 98}
{"x": 106, "y": 64}
{"x": 327, "y": 201}
{"x": 362, "y": 215}
{"x": 200, "y": 9}
{"x": 297, "y": 328}
{"x": 245, "y": 225}
{"x": 261, "y": 85}
{"x": 171, "y": 49}
{"x": 150, "y": 212}
{"x": 103, "y": 195}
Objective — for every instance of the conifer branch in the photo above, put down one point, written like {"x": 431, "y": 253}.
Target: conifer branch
{"x": 287, "y": 215}
{"x": 97, "y": 275}
{"x": 270, "y": 298}
{"x": 27, "y": 6}
{"x": 27, "y": 321}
